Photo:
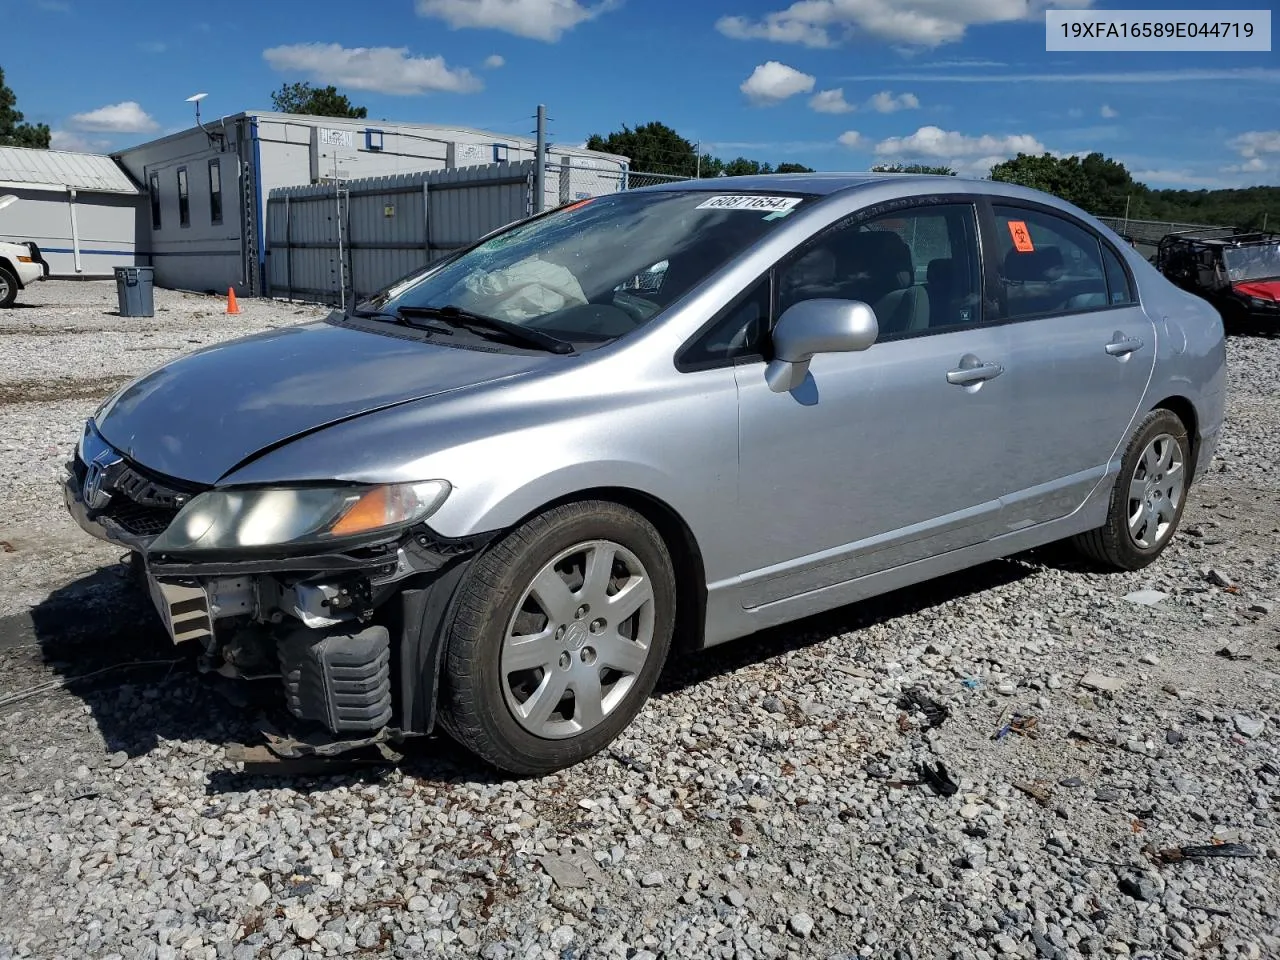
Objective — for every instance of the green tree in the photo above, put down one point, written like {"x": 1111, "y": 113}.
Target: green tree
{"x": 651, "y": 148}
{"x": 913, "y": 168}
{"x": 315, "y": 101}
{"x": 1061, "y": 176}
{"x": 14, "y": 132}
{"x": 657, "y": 148}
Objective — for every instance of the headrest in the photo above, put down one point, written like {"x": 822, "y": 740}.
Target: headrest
{"x": 1043, "y": 263}
{"x": 816, "y": 266}
{"x": 941, "y": 271}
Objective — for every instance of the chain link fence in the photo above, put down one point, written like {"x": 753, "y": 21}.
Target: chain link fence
{"x": 1145, "y": 235}
{"x": 582, "y": 178}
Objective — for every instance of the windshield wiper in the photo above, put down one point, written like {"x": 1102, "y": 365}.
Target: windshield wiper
{"x": 402, "y": 320}
{"x": 465, "y": 318}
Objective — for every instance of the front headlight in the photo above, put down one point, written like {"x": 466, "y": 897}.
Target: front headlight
{"x": 295, "y": 516}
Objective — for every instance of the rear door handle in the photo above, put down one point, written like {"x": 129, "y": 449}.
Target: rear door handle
{"x": 969, "y": 375}
{"x": 1124, "y": 346}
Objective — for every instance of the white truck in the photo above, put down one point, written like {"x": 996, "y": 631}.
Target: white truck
{"x": 21, "y": 264}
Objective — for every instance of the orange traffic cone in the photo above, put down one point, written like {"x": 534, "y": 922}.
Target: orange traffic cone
{"x": 232, "y": 306}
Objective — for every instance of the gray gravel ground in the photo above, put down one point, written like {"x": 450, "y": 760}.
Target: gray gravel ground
{"x": 761, "y": 806}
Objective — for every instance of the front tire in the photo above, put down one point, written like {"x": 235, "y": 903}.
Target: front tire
{"x": 561, "y": 631}
{"x": 1148, "y": 498}
{"x": 8, "y": 287}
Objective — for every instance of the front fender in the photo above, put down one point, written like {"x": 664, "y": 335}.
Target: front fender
{"x": 509, "y": 452}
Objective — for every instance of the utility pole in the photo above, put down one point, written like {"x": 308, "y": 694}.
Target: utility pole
{"x": 697, "y": 148}
{"x": 540, "y": 163}
{"x": 337, "y": 197}
{"x": 1126, "y": 211}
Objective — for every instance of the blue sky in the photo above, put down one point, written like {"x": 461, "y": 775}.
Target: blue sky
{"x": 835, "y": 84}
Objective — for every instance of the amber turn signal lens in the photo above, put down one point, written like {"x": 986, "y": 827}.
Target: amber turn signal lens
{"x": 368, "y": 513}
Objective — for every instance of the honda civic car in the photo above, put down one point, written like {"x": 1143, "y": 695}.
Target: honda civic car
{"x": 494, "y": 498}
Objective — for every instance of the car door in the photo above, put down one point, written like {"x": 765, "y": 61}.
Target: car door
{"x": 1080, "y": 355}
{"x": 887, "y": 456}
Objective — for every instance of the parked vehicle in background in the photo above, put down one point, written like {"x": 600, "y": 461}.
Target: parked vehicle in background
{"x": 1239, "y": 273}
{"x": 21, "y": 264}
{"x": 494, "y": 496}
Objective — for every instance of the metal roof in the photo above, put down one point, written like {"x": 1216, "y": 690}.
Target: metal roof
{"x": 60, "y": 169}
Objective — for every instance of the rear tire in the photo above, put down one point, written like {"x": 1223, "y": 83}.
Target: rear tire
{"x": 1148, "y": 498}
{"x": 560, "y": 632}
{"x": 8, "y": 287}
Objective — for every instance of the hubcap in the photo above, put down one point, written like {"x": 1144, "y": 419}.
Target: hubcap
{"x": 579, "y": 638}
{"x": 1155, "y": 492}
{"x": 4, "y": 287}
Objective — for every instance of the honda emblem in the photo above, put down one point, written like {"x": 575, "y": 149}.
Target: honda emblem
{"x": 95, "y": 498}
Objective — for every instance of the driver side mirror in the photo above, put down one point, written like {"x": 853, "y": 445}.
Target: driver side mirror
{"x": 816, "y": 326}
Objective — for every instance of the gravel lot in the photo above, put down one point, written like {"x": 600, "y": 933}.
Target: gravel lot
{"x": 761, "y": 806}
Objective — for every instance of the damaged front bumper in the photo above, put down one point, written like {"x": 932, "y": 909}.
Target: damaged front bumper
{"x": 353, "y": 635}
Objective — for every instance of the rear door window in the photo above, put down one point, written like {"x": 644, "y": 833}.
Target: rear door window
{"x": 1047, "y": 264}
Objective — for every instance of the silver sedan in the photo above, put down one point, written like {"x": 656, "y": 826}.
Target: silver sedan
{"x": 493, "y": 497}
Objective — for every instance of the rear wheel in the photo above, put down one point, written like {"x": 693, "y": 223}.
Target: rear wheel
{"x": 8, "y": 287}
{"x": 1148, "y": 498}
{"x": 560, "y": 634}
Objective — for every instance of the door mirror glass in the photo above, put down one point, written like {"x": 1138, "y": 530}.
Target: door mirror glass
{"x": 817, "y": 326}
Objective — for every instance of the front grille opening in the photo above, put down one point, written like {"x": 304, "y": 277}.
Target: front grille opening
{"x": 137, "y": 519}
{"x": 141, "y": 504}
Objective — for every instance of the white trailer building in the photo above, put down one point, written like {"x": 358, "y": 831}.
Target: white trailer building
{"x": 206, "y": 187}
{"x": 80, "y": 208}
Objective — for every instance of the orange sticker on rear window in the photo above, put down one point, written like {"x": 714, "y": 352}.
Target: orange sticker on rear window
{"x": 1021, "y": 237}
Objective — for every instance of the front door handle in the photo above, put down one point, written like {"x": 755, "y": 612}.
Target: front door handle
{"x": 977, "y": 374}
{"x": 1123, "y": 346}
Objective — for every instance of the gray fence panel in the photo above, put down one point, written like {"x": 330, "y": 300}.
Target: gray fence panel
{"x": 390, "y": 226}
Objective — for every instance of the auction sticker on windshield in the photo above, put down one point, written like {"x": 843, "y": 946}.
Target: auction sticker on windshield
{"x": 774, "y": 204}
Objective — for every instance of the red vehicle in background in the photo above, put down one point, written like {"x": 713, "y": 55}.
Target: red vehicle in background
{"x": 1239, "y": 273}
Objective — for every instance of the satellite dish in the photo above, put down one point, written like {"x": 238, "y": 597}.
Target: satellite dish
{"x": 7, "y": 200}
{"x": 197, "y": 98}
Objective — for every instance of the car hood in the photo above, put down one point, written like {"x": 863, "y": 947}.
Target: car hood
{"x": 200, "y": 416}
{"x": 1262, "y": 289}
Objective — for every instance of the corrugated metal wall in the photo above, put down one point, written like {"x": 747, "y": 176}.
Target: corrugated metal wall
{"x": 391, "y": 226}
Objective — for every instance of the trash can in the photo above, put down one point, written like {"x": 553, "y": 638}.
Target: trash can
{"x": 133, "y": 290}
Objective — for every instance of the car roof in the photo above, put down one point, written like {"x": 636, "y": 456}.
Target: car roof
{"x": 820, "y": 184}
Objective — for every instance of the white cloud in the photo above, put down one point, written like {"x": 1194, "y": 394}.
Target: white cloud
{"x": 776, "y": 27}
{"x": 830, "y": 101}
{"x": 125, "y": 117}
{"x": 938, "y": 143}
{"x": 537, "y": 19}
{"x": 886, "y": 102}
{"x": 967, "y": 155}
{"x": 1256, "y": 142}
{"x": 153, "y": 46}
{"x": 850, "y": 138}
{"x": 383, "y": 69}
{"x": 1254, "y": 165}
{"x": 918, "y": 23}
{"x": 78, "y": 142}
{"x": 1177, "y": 178}
{"x": 494, "y": 61}
{"x": 1110, "y": 113}
{"x": 774, "y": 82}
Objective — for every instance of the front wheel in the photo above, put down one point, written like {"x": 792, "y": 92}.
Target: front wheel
{"x": 1148, "y": 498}
{"x": 560, "y": 633}
{"x": 8, "y": 287}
